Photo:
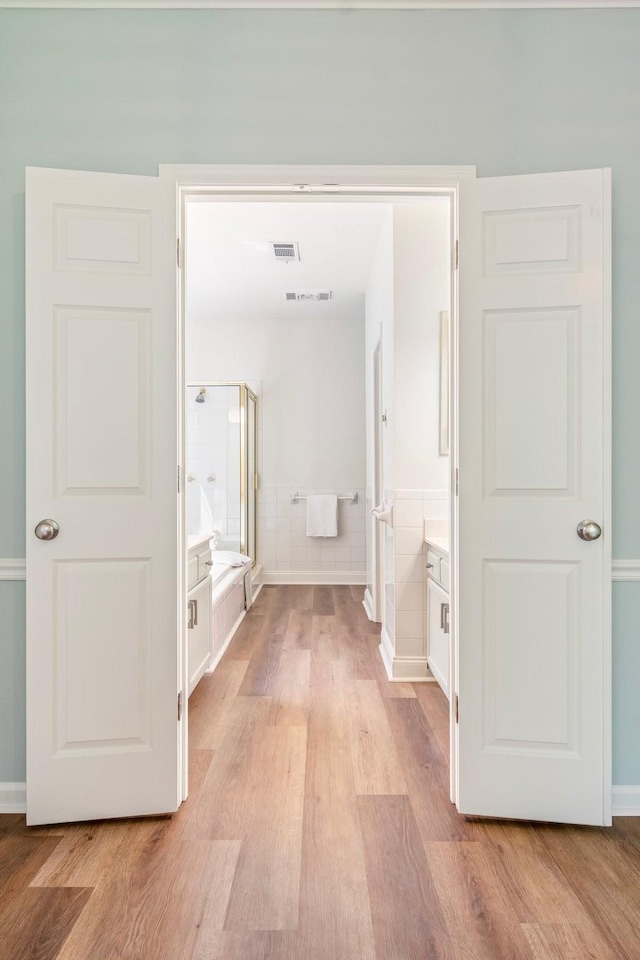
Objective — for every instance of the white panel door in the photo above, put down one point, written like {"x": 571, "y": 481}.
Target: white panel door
{"x": 101, "y": 406}
{"x": 534, "y": 461}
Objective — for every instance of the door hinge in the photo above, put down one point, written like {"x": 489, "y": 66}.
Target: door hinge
{"x": 456, "y": 256}
{"x": 457, "y": 708}
{"x": 180, "y": 706}
{"x": 178, "y": 252}
{"x": 457, "y": 482}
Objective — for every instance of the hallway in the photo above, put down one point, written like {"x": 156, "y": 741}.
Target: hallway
{"x": 318, "y": 827}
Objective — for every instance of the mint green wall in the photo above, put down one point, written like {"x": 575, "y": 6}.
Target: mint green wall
{"x": 510, "y": 91}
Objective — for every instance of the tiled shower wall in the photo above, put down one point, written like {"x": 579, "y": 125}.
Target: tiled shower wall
{"x": 282, "y": 541}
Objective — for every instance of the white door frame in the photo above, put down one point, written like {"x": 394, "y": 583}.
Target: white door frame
{"x": 309, "y": 183}
{"x": 377, "y": 580}
{"x": 323, "y": 182}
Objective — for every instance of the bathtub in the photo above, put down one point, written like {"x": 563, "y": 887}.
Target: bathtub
{"x": 227, "y": 606}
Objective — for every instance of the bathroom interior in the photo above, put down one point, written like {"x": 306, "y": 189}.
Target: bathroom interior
{"x": 317, "y": 370}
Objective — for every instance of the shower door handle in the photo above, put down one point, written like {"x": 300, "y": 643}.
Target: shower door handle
{"x": 383, "y": 513}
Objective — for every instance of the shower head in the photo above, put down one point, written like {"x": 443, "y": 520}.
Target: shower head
{"x": 200, "y": 397}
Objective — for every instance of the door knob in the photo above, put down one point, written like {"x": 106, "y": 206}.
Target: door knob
{"x": 47, "y": 530}
{"x": 589, "y": 530}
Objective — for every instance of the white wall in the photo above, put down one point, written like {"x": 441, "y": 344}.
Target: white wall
{"x": 422, "y": 281}
{"x": 422, "y": 288}
{"x": 409, "y": 285}
{"x": 311, "y": 376}
{"x": 312, "y": 395}
{"x": 379, "y": 329}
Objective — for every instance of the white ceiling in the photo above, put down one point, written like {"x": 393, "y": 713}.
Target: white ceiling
{"x": 232, "y": 273}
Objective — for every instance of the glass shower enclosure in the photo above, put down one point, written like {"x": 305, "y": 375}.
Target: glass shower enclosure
{"x": 222, "y": 464}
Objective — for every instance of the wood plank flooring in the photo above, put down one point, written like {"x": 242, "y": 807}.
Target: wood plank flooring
{"x": 318, "y": 827}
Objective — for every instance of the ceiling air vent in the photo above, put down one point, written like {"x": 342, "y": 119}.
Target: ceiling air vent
{"x": 301, "y": 296}
{"x": 286, "y": 251}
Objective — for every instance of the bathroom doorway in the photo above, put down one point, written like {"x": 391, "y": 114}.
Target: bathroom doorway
{"x": 530, "y": 481}
{"x": 329, "y": 309}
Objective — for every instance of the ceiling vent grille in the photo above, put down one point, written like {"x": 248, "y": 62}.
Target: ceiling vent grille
{"x": 286, "y": 251}
{"x": 306, "y": 295}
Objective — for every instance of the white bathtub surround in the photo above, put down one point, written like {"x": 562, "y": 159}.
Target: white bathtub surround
{"x": 289, "y": 556}
{"x": 227, "y": 611}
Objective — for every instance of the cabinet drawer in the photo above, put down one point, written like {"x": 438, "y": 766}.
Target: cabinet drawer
{"x": 192, "y": 571}
{"x": 203, "y": 563}
{"x": 434, "y": 569}
{"x": 444, "y": 573}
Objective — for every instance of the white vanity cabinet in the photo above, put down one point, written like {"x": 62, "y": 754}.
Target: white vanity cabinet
{"x": 438, "y": 611}
{"x": 199, "y": 608}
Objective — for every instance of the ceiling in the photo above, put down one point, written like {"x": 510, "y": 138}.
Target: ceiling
{"x": 232, "y": 273}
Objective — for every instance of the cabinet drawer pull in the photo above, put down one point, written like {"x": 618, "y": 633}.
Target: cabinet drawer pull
{"x": 192, "y": 607}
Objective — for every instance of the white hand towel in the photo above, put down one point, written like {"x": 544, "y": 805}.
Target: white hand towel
{"x": 322, "y": 515}
{"x": 230, "y": 558}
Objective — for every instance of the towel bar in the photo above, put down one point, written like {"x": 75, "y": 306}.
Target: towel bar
{"x": 296, "y": 498}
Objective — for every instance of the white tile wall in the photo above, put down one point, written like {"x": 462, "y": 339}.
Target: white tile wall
{"x": 282, "y": 540}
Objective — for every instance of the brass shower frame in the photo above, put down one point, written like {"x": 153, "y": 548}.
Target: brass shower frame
{"x": 248, "y": 485}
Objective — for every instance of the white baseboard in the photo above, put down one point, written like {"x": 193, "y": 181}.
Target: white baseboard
{"x": 386, "y": 652}
{"x": 367, "y": 603}
{"x": 325, "y": 577}
{"x": 626, "y": 800}
{"x": 403, "y": 669}
{"x": 13, "y": 798}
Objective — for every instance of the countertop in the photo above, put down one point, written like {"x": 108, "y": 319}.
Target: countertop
{"x": 197, "y": 540}
{"x": 441, "y": 543}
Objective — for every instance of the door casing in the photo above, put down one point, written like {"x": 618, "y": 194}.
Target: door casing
{"x": 317, "y": 183}
{"x": 312, "y": 183}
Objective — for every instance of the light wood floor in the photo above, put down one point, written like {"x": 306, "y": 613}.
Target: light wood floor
{"x": 318, "y": 828}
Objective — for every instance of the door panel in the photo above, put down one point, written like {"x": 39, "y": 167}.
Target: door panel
{"x": 102, "y": 598}
{"x": 534, "y": 460}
